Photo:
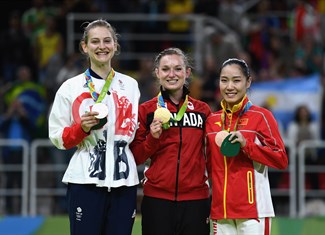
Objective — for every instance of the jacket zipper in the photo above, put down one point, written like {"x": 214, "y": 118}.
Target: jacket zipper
{"x": 178, "y": 162}
{"x": 225, "y": 188}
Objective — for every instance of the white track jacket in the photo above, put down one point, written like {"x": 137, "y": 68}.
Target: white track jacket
{"x": 103, "y": 156}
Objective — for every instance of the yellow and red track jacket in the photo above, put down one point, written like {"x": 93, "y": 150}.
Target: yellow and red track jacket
{"x": 240, "y": 184}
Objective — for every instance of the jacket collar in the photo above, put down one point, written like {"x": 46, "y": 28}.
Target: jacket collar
{"x": 165, "y": 93}
{"x": 236, "y": 109}
{"x": 93, "y": 74}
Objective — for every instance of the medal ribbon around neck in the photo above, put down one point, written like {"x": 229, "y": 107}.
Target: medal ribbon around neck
{"x": 223, "y": 116}
{"x": 179, "y": 114}
{"x": 106, "y": 86}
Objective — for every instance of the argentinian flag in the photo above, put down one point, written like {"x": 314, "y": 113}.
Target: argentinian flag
{"x": 283, "y": 96}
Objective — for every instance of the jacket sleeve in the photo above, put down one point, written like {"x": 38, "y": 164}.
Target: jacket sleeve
{"x": 268, "y": 147}
{"x": 144, "y": 144}
{"x": 207, "y": 147}
{"x": 63, "y": 132}
{"x": 208, "y": 156}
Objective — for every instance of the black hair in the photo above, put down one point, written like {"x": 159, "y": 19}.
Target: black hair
{"x": 241, "y": 63}
{"x": 297, "y": 113}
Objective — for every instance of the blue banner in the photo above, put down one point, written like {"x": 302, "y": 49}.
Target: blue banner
{"x": 283, "y": 96}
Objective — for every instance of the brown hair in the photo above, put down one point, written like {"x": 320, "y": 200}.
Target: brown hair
{"x": 99, "y": 23}
{"x": 172, "y": 51}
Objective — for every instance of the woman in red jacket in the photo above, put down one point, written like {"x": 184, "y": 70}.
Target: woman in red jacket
{"x": 171, "y": 137}
{"x": 243, "y": 140}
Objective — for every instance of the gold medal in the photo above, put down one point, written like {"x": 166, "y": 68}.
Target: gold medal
{"x": 163, "y": 114}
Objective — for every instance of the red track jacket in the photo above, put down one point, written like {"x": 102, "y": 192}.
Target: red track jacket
{"x": 240, "y": 185}
{"x": 177, "y": 169}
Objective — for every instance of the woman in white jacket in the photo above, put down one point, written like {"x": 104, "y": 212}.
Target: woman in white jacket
{"x": 97, "y": 112}
{"x": 304, "y": 127}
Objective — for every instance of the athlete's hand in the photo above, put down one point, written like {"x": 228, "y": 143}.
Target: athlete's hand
{"x": 88, "y": 120}
{"x": 240, "y": 138}
{"x": 156, "y": 128}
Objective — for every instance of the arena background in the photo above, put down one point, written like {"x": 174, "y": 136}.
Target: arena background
{"x": 144, "y": 28}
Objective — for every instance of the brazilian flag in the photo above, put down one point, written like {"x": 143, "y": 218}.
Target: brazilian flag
{"x": 33, "y": 99}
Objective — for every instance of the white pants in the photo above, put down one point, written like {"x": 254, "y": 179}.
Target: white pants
{"x": 260, "y": 226}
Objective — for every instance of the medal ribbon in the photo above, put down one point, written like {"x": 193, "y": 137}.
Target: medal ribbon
{"x": 223, "y": 116}
{"x": 180, "y": 112}
{"x": 106, "y": 86}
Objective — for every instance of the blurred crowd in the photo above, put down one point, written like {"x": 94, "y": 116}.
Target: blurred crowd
{"x": 278, "y": 39}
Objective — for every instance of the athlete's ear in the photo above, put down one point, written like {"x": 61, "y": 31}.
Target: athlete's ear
{"x": 188, "y": 72}
{"x": 249, "y": 82}
{"x": 84, "y": 47}
{"x": 157, "y": 72}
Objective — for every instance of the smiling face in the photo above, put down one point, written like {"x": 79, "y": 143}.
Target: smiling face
{"x": 172, "y": 72}
{"x": 233, "y": 84}
{"x": 100, "y": 46}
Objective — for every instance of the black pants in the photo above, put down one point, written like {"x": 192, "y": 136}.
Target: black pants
{"x": 164, "y": 217}
{"x": 95, "y": 211}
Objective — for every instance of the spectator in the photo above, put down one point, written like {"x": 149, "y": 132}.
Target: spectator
{"x": 233, "y": 15}
{"x": 265, "y": 42}
{"x": 308, "y": 56}
{"x": 34, "y": 18}
{"x": 147, "y": 83}
{"x": 304, "y": 127}
{"x": 49, "y": 47}
{"x": 72, "y": 66}
{"x": 178, "y": 25}
{"x": 218, "y": 46}
{"x": 15, "y": 49}
{"x": 153, "y": 8}
{"x": 23, "y": 119}
{"x": 306, "y": 20}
